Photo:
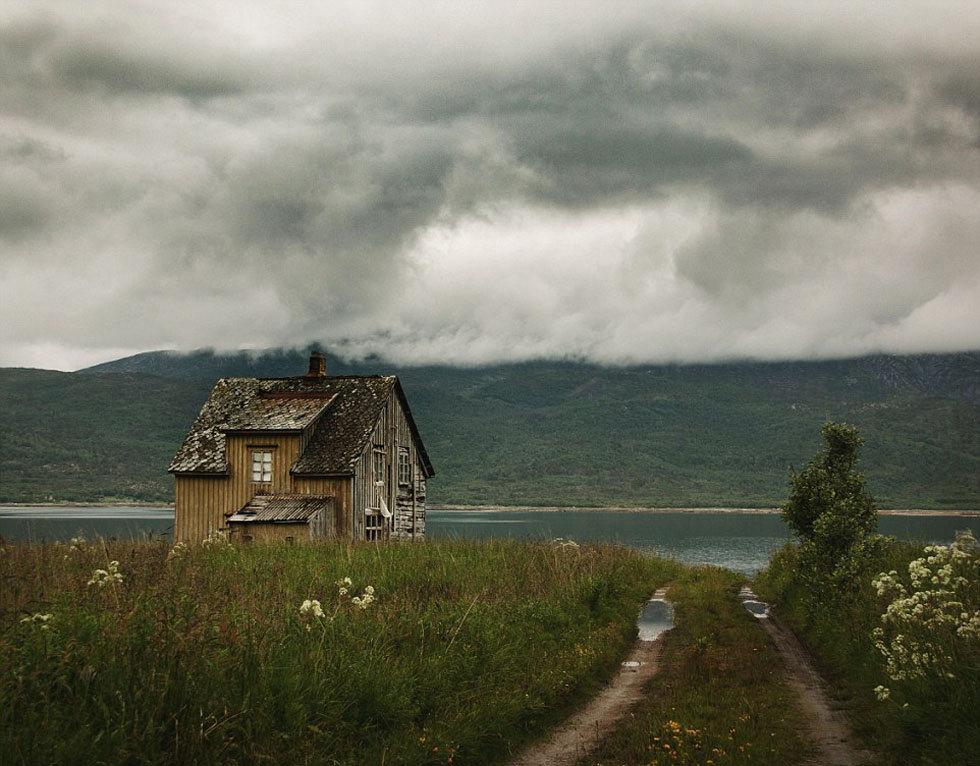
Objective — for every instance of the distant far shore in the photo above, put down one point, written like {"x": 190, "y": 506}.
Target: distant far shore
{"x": 550, "y": 509}
{"x": 633, "y": 509}
{"x": 90, "y": 504}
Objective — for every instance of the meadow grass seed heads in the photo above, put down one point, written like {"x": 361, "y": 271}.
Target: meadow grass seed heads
{"x": 243, "y": 604}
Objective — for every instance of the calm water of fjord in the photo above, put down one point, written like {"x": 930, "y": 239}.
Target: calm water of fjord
{"x": 739, "y": 541}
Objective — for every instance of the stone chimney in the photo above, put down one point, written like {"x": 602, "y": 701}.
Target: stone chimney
{"x": 318, "y": 366}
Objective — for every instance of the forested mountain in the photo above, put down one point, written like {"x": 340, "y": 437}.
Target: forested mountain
{"x": 539, "y": 433}
{"x": 71, "y": 436}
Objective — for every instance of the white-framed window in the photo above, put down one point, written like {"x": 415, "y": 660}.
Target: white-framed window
{"x": 404, "y": 467}
{"x": 261, "y": 466}
{"x": 372, "y": 525}
{"x": 378, "y": 478}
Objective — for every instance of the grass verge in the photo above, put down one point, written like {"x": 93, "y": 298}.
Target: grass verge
{"x": 921, "y": 711}
{"x": 719, "y": 697}
{"x": 461, "y": 653}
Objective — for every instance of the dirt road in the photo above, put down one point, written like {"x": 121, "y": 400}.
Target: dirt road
{"x": 583, "y": 732}
{"x": 827, "y": 726}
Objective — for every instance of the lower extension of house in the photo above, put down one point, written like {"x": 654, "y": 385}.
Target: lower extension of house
{"x": 302, "y": 458}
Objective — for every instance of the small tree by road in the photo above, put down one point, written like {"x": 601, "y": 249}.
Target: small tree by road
{"x": 829, "y": 508}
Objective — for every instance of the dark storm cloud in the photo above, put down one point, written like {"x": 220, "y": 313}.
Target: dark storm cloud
{"x": 86, "y": 64}
{"x": 643, "y": 114}
{"x": 500, "y": 181}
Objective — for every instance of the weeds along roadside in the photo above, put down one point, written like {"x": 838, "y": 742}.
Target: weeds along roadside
{"x": 444, "y": 652}
{"x": 928, "y": 717}
{"x": 719, "y": 697}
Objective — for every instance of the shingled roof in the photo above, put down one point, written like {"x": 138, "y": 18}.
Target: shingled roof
{"x": 282, "y": 509}
{"x": 341, "y": 409}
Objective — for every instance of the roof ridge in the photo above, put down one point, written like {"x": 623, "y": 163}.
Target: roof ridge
{"x": 341, "y": 424}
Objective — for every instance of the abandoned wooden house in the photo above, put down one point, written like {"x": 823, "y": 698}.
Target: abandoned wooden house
{"x": 302, "y": 458}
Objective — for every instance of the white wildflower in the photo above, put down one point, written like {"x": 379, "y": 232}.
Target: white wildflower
{"x": 110, "y": 576}
{"x": 37, "y": 620}
{"x": 365, "y": 600}
{"x": 882, "y": 693}
{"x": 311, "y": 607}
{"x": 177, "y": 551}
{"x": 343, "y": 586}
{"x": 919, "y": 626}
{"x": 215, "y": 539}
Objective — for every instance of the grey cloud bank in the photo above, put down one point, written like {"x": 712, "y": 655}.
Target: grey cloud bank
{"x": 445, "y": 182}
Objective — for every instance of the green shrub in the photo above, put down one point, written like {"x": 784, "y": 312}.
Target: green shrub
{"x": 929, "y": 639}
{"x": 867, "y": 643}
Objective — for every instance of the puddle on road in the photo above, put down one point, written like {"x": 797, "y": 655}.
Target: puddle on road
{"x": 656, "y": 617}
{"x": 758, "y": 609}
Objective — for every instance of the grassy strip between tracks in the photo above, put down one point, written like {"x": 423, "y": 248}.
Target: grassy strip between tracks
{"x": 720, "y": 697}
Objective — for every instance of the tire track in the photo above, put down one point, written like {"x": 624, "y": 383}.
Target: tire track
{"x": 584, "y": 732}
{"x": 836, "y": 745}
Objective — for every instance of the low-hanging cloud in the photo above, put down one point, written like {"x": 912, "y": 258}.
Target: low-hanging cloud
{"x": 504, "y": 181}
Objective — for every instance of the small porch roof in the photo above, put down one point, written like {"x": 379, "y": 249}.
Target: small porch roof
{"x": 281, "y": 509}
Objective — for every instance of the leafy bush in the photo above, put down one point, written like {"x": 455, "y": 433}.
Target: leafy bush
{"x": 904, "y": 649}
{"x": 929, "y": 635}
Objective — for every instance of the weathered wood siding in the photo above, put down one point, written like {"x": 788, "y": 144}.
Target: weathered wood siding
{"x": 199, "y": 503}
{"x": 418, "y": 518}
{"x": 318, "y": 528}
{"x": 405, "y": 501}
{"x": 339, "y": 488}
{"x": 202, "y": 502}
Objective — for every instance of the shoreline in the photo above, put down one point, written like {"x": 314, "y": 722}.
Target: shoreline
{"x": 965, "y": 512}
{"x": 641, "y": 509}
{"x": 88, "y": 504}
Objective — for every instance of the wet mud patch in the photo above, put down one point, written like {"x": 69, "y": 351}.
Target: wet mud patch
{"x": 750, "y": 601}
{"x": 656, "y": 617}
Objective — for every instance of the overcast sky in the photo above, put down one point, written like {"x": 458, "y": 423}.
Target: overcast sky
{"x": 470, "y": 182}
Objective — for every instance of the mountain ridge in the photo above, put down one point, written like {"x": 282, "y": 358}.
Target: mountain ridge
{"x": 923, "y": 373}
{"x": 544, "y": 433}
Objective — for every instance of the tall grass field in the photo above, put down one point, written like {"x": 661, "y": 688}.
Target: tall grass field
{"x": 443, "y": 652}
